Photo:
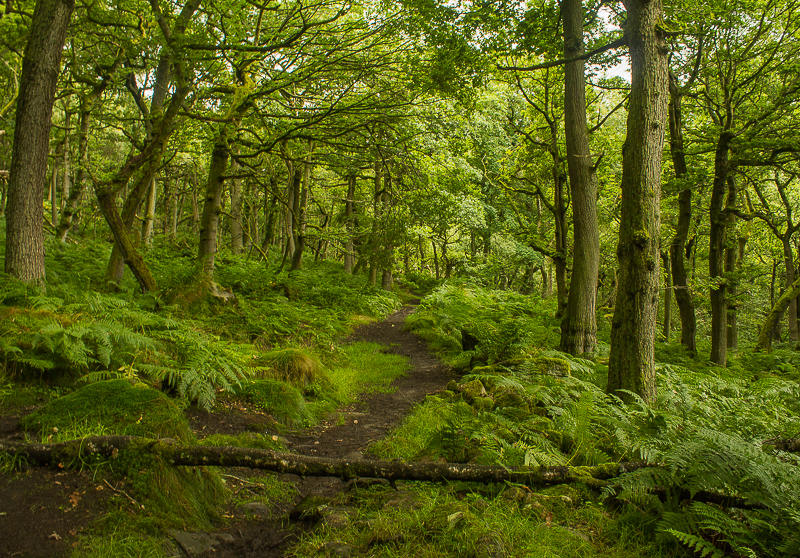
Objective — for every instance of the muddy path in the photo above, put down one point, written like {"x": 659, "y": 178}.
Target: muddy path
{"x": 263, "y": 531}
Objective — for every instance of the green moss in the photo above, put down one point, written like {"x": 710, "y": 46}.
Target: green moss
{"x": 296, "y": 366}
{"x": 552, "y": 366}
{"x": 283, "y": 401}
{"x": 111, "y": 407}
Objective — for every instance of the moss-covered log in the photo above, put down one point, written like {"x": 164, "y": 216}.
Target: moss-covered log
{"x": 66, "y": 453}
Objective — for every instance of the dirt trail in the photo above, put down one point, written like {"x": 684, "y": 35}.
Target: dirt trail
{"x": 347, "y": 434}
{"x": 63, "y": 503}
{"x": 372, "y": 418}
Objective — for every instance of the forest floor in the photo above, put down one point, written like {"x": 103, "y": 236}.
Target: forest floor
{"x": 43, "y": 511}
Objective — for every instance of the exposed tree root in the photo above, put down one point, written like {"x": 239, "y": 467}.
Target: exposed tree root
{"x": 67, "y": 453}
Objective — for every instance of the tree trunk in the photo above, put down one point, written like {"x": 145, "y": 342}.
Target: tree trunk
{"x": 716, "y": 252}
{"x": 123, "y": 240}
{"x": 579, "y": 324}
{"x": 54, "y": 193}
{"x": 209, "y": 222}
{"x": 789, "y": 277}
{"x": 667, "y": 298}
{"x": 302, "y": 208}
{"x": 765, "y": 334}
{"x": 237, "y": 236}
{"x": 149, "y": 213}
{"x": 349, "y": 255}
{"x": 41, "y": 64}
{"x": 70, "y": 211}
{"x": 631, "y": 363}
{"x": 677, "y": 249}
{"x": 731, "y": 265}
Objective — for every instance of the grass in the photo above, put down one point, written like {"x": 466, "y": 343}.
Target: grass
{"x": 432, "y": 520}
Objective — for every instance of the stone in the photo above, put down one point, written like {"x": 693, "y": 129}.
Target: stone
{"x": 472, "y": 389}
{"x": 194, "y": 544}
{"x": 334, "y": 548}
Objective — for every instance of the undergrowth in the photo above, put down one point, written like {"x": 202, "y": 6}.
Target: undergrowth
{"x": 720, "y": 488}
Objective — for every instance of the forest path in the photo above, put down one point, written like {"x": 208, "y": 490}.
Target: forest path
{"x": 257, "y": 530}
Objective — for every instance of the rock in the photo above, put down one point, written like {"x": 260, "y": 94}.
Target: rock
{"x": 257, "y": 508}
{"x": 195, "y": 544}
{"x": 472, "y": 389}
{"x": 552, "y": 366}
{"x": 336, "y": 518}
{"x": 452, "y": 385}
{"x": 334, "y": 548}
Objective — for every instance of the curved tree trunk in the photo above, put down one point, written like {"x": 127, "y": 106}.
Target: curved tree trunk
{"x": 631, "y": 363}
{"x": 41, "y": 64}
{"x": 765, "y": 334}
{"x": 677, "y": 249}
{"x": 579, "y": 324}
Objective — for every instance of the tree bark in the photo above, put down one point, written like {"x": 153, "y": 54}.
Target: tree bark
{"x": 70, "y": 211}
{"x": 24, "y": 258}
{"x": 237, "y": 235}
{"x": 716, "y": 252}
{"x": 301, "y": 211}
{"x": 667, "y": 325}
{"x": 767, "y": 330}
{"x": 349, "y": 248}
{"x": 631, "y": 362}
{"x": 149, "y": 213}
{"x": 579, "y": 324}
{"x": 731, "y": 265}
{"x": 677, "y": 249}
{"x": 109, "y": 446}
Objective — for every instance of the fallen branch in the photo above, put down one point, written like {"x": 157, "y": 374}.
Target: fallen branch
{"x": 72, "y": 451}
{"x": 791, "y": 445}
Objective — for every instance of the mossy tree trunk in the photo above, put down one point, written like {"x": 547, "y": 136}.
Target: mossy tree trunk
{"x": 631, "y": 363}
{"x": 716, "y": 251}
{"x": 579, "y": 323}
{"x": 41, "y": 63}
{"x": 677, "y": 249}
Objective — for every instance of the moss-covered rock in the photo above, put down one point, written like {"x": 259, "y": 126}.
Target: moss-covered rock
{"x": 111, "y": 407}
{"x": 280, "y": 399}
{"x": 296, "y": 366}
{"x": 472, "y": 389}
{"x": 552, "y": 366}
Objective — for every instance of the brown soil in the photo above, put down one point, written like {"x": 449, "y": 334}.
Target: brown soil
{"x": 42, "y": 511}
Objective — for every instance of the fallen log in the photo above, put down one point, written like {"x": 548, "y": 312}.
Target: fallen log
{"x": 71, "y": 452}
{"x": 791, "y": 445}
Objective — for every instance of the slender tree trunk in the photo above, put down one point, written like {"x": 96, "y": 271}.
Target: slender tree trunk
{"x": 560, "y": 256}
{"x": 579, "y": 324}
{"x": 775, "y": 314}
{"x": 149, "y": 213}
{"x": 66, "y": 168}
{"x": 716, "y": 252}
{"x": 789, "y": 277}
{"x": 41, "y": 64}
{"x": 631, "y": 363}
{"x": 209, "y": 222}
{"x": 667, "y": 298}
{"x": 237, "y": 236}
{"x": 70, "y": 211}
{"x": 731, "y": 264}
{"x": 349, "y": 255}
{"x": 677, "y": 249}
{"x": 302, "y": 208}
{"x": 54, "y": 193}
